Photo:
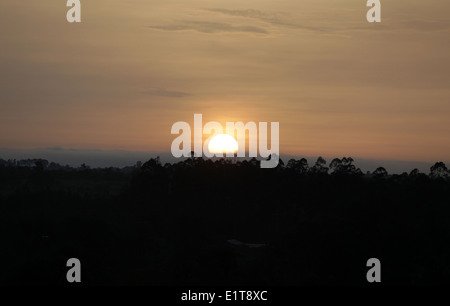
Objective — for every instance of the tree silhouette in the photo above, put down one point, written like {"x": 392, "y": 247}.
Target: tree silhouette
{"x": 298, "y": 166}
{"x": 320, "y": 166}
{"x": 439, "y": 170}
{"x": 414, "y": 173}
{"x": 344, "y": 166}
{"x": 380, "y": 172}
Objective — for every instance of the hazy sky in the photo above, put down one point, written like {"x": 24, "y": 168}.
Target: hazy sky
{"x": 338, "y": 85}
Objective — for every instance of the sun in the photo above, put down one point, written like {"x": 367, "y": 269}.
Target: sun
{"x": 222, "y": 143}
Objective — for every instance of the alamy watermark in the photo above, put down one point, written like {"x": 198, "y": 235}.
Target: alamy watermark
{"x": 227, "y": 143}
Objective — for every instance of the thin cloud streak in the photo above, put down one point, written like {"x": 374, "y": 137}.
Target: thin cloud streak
{"x": 277, "y": 19}
{"x": 161, "y": 92}
{"x": 209, "y": 27}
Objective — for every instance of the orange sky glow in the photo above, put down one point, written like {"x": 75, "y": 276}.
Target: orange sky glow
{"x": 338, "y": 85}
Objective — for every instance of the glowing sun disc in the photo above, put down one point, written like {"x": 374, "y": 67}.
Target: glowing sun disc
{"x": 223, "y": 143}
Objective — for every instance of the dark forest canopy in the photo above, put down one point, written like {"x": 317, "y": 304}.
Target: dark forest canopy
{"x": 343, "y": 166}
{"x": 192, "y": 222}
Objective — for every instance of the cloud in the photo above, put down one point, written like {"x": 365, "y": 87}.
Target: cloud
{"x": 425, "y": 25}
{"x": 161, "y": 92}
{"x": 209, "y": 27}
{"x": 54, "y": 148}
{"x": 401, "y": 25}
{"x": 277, "y": 19}
{"x": 283, "y": 19}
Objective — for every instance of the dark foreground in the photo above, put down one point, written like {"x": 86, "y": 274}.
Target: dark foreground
{"x": 204, "y": 223}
